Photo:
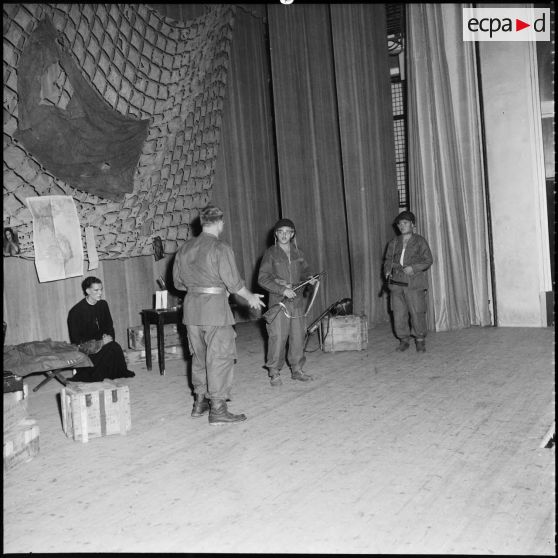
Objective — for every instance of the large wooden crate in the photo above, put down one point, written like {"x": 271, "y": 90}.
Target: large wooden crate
{"x": 15, "y": 407}
{"x": 136, "y": 337}
{"x": 344, "y": 333}
{"x": 92, "y": 410}
{"x": 21, "y": 443}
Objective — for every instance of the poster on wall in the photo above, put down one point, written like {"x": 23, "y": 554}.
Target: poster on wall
{"x": 56, "y": 237}
{"x": 91, "y": 247}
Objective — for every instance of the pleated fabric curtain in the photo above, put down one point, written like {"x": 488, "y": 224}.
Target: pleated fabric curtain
{"x": 245, "y": 185}
{"x": 446, "y": 178}
{"x": 308, "y": 146}
{"x": 362, "y": 79}
{"x": 334, "y": 143}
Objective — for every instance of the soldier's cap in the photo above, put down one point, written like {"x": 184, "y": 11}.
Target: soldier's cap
{"x": 210, "y": 214}
{"x": 284, "y": 223}
{"x": 407, "y": 216}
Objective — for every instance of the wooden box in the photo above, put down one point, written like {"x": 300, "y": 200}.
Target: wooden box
{"x": 92, "y": 410}
{"x": 136, "y": 336}
{"x": 15, "y": 407}
{"x": 134, "y": 357}
{"x": 21, "y": 443}
{"x": 344, "y": 333}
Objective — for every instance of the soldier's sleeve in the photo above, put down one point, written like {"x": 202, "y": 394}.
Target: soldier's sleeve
{"x": 176, "y": 273}
{"x": 266, "y": 278}
{"x": 228, "y": 272}
{"x": 425, "y": 256}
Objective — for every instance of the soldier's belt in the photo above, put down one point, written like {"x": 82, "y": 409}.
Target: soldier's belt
{"x": 400, "y": 283}
{"x": 207, "y": 290}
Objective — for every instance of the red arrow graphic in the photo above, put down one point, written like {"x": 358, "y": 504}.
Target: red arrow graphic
{"x": 519, "y": 25}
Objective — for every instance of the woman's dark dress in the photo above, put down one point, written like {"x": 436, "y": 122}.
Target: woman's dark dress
{"x": 90, "y": 321}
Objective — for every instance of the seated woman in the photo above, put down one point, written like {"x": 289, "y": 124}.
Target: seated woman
{"x": 91, "y": 329}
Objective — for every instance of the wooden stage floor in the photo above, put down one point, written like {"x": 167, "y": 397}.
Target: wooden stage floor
{"x": 435, "y": 453}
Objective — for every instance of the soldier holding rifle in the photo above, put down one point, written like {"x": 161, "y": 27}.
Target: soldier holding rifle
{"x": 408, "y": 256}
{"x": 284, "y": 267}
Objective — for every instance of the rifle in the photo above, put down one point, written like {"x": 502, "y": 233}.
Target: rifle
{"x": 387, "y": 279}
{"x": 274, "y": 310}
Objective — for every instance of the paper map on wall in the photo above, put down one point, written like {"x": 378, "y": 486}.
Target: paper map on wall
{"x": 57, "y": 237}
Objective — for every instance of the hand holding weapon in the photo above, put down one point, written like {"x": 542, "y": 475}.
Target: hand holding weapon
{"x": 274, "y": 310}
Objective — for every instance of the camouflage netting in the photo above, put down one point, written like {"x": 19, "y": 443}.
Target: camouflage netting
{"x": 145, "y": 66}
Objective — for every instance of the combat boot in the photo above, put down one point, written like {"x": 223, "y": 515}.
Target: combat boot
{"x": 219, "y": 414}
{"x": 301, "y": 376}
{"x": 403, "y": 345}
{"x": 201, "y": 406}
{"x": 275, "y": 379}
{"x": 421, "y": 345}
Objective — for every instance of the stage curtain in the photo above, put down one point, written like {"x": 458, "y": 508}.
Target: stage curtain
{"x": 308, "y": 146}
{"x": 245, "y": 185}
{"x": 446, "y": 178}
{"x": 335, "y": 148}
{"x": 363, "y": 88}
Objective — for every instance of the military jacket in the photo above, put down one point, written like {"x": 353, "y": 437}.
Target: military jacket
{"x": 278, "y": 270}
{"x": 417, "y": 255}
{"x": 206, "y": 261}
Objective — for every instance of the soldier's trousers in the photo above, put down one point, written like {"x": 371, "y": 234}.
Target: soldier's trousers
{"x": 213, "y": 351}
{"x": 279, "y": 331}
{"x": 407, "y": 302}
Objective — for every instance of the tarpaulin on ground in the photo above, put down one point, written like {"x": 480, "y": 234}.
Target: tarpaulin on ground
{"x": 42, "y": 356}
{"x": 87, "y": 144}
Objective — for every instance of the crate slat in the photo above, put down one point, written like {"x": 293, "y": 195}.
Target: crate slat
{"x": 15, "y": 407}
{"x": 133, "y": 357}
{"x": 21, "y": 443}
{"x": 136, "y": 339}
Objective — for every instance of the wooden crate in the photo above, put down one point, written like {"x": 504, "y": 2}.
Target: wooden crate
{"x": 15, "y": 407}
{"x": 344, "y": 333}
{"x": 21, "y": 443}
{"x": 136, "y": 339}
{"x": 133, "y": 357}
{"x": 92, "y": 410}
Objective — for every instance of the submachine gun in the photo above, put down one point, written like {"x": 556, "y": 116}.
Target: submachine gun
{"x": 343, "y": 307}
{"x": 274, "y": 310}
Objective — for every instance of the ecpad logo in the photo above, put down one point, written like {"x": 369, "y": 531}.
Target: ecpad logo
{"x": 506, "y": 24}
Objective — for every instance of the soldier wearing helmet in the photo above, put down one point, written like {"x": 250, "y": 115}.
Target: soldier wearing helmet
{"x": 283, "y": 265}
{"x": 408, "y": 256}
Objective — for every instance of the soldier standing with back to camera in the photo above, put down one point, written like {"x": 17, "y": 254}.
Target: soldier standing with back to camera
{"x": 205, "y": 267}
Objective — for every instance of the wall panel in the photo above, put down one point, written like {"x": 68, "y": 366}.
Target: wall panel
{"x": 35, "y": 311}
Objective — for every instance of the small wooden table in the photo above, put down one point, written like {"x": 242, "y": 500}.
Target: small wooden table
{"x": 159, "y": 318}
